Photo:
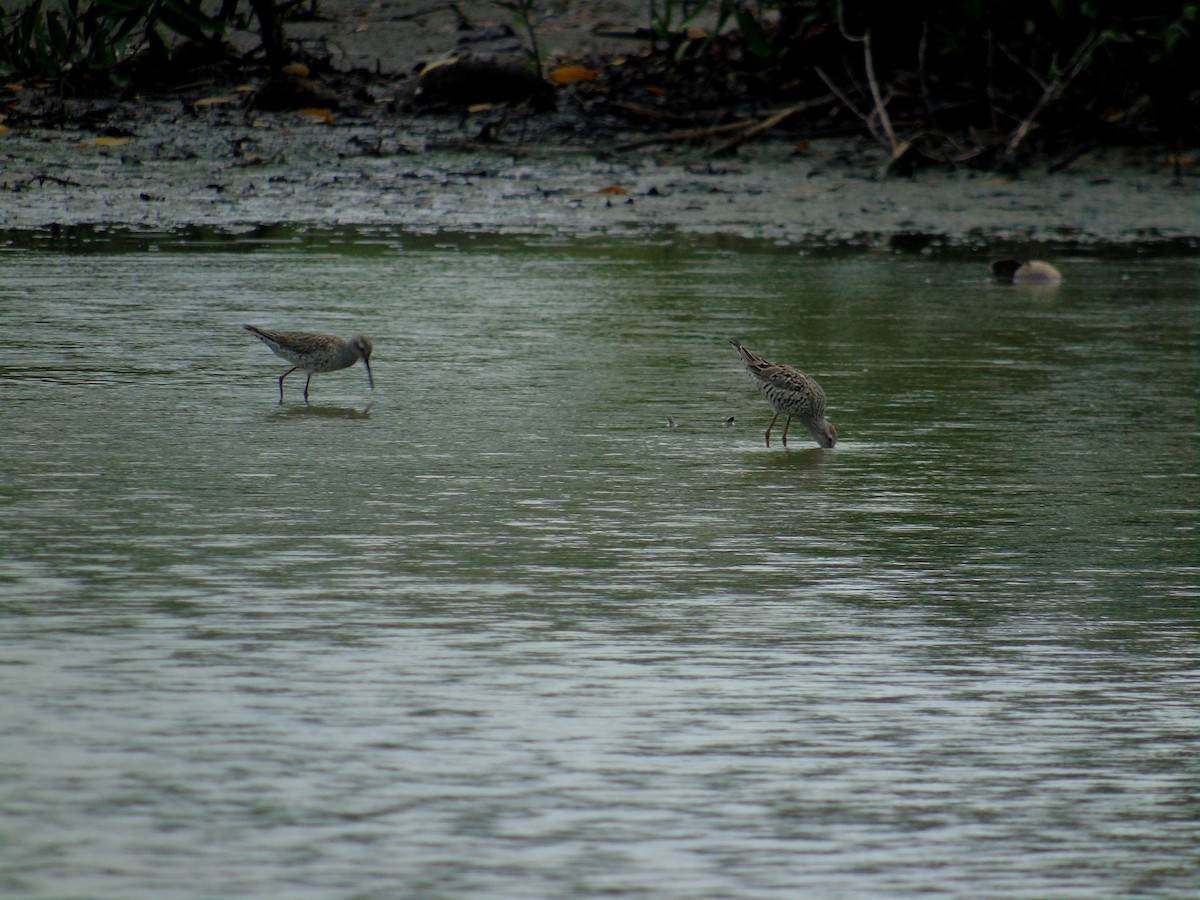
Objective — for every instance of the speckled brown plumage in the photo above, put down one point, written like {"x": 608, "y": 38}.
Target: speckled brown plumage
{"x": 791, "y": 393}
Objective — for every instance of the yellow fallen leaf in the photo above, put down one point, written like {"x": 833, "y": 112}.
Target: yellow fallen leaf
{"x": 438, "y": 63}
{"x": 296, "y": 70}
{"x": 571, "y": 74}
{"x": 324, "y": 115}
{"x": 612, "y": 189}
{"x": 214, "y": 101}
{"x": 832, "y": 186}
{"x": 105, "y": 141}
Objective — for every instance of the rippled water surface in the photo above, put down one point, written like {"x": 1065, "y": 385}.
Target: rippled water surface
{"x": 495, "y": 630}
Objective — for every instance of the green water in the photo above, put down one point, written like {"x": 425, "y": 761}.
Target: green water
{"x": 495, "y": 630}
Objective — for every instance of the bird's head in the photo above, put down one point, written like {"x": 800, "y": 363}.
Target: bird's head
{"x": 825, "y": 434}
{"x": 362, "y": 346}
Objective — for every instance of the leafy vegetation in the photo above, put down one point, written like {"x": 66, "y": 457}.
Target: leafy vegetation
{"x": 933, "y": 80}
{"x": 526, "y": 18}
{"x": 82, "y": 44}
{"x": 943, "y": 81}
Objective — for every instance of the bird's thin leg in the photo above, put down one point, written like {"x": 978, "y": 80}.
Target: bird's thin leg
{"x": 786, "y": 426}
{"x": 281, "y": 377}
{"x": 769, "y": 427}
{"x": 306, "y": 381}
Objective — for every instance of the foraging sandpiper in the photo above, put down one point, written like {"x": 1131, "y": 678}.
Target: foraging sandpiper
{"x": 790, "y": 392}
{"x": 315, "y": 352}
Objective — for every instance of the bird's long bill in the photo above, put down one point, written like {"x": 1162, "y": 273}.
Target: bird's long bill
{"x": 370, "y": 377}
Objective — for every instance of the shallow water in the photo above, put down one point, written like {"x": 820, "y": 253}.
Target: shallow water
{"x": 494, "y": 630}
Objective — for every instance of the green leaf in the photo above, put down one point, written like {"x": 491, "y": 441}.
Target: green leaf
{"x": 31, "y": 23}
{"x": 185, "y": 18}
{"x": 696, "y": 11}
{"x": 116, "y": 8}
{"x": 752, "y": 31}
{"x": 156, "y": 45}
{"x": 57, "y": 37}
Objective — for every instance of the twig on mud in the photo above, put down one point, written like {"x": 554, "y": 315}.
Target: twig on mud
{"x": 464, "y": 23}
{"x": 1071, "y": 155}
{"x": 748, "y": 128}
{"x": 647, "y": 112}
{"x": 689, "y": 134}
{"x": 1052, "y": 91}
{"x": 770, "y": 122}
{"x": 40, "y": 179}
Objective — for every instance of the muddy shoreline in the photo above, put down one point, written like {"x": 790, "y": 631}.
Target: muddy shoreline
{"x": 217, "y": 170}
{"x": 199, "y": 157}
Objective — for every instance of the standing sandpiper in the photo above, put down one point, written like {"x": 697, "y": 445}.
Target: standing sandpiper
{"x": 791, "y": 392}
{"x": 315, "y": 352}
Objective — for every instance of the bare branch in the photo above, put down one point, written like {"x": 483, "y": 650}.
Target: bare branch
{"x": 896, "y": 147}
{"x": 880, "y": 106}
{"x": 770, "y": 122}
{"x": 1054, "y": 90}
{"x": 837, "y": 92}
{"x": 688, "y": 134}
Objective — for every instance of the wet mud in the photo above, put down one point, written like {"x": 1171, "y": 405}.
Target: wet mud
{"x": 203, "y": 155}
{"x": 222, "y": 170}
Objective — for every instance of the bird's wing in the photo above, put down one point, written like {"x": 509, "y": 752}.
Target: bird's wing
{"x": 296, "y": 341}
{"x": 786, "y": 378}
{"x": 781, "y": 376}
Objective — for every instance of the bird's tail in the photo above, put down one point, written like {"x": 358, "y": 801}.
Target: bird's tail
{"x": 258, "y": 332}
{"x": 749, "y": 358}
